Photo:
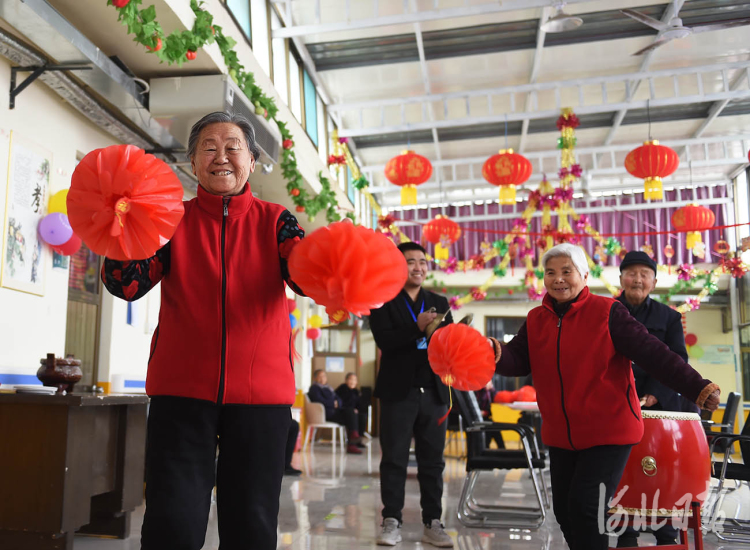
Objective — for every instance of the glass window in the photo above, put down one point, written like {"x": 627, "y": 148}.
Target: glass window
{"x": 350, "y": 188}
{"x": 278, "y": 48}
{"x": 295, "y": 88}
{"x": 261, "y": 38}
{"x": 322, "y": 137}
{"x": 241, "y": 11}
{"x": 311, "y": 108}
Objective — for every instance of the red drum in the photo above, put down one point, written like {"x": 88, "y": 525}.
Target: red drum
{"x": 672, "y": 458}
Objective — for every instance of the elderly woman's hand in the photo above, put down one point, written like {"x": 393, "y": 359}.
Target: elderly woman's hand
{"x": 712, "y": 401}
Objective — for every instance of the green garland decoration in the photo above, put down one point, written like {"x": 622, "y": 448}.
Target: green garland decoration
{"x": 181, "y": 46}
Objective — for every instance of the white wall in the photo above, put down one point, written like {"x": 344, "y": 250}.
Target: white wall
{"x": 30, "y": 325}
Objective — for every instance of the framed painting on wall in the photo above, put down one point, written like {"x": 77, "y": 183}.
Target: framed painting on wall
{"x": 26, "y": 193}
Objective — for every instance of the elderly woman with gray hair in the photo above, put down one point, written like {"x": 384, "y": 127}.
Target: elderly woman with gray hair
{"x": 578, "y": 346}
{"x": 220, "y": 370}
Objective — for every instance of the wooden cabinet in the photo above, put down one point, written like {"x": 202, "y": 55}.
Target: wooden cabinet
{"x": 69, "y": 463}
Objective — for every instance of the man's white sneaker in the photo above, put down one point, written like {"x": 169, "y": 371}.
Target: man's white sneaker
{"x": 436, "y": 535}
{"x": 391, "y": 533}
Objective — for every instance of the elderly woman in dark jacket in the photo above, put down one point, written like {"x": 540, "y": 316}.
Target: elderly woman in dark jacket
{"x": 220, "y": 371}
{"x": 579, "y": 347}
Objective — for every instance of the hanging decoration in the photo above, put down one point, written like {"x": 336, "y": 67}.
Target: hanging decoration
{"x": 442, "y": 232}
{"x": 693, "y": 219}
{"x": 507, "y": 170}
{"x": 461, "y": 357}
{"x": 408, "y": 170}
{"x": 652, "y": 162}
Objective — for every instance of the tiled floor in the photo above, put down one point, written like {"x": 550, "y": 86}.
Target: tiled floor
{"x": 335, "y": 505}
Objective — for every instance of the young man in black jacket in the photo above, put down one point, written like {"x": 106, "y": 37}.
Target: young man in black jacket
{"x": 413, "y": 400}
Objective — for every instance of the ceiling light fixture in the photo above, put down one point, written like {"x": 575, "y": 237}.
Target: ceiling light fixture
{"x": 561, "y": 21}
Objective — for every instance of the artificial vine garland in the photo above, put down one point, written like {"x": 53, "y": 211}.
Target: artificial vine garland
{"x": 182, "y": 46}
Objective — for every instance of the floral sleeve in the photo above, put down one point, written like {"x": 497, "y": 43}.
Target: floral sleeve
{"x": 288, "y": 233}
{"x": 131, "y": 280}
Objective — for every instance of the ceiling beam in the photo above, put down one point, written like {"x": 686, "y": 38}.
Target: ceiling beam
{"x": 411, "y": 17}
{"x": 535, "y": 65}
{"x": 427, "y": 88}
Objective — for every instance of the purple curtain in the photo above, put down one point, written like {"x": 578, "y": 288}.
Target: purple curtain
{"x": 617, "y": 222}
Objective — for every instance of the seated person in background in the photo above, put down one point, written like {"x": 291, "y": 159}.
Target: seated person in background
{"x": 352, "y": 399}
{"x": 321, "y": 392}
{"x": 485, "y": 397}
{"x": 291, "y": 442}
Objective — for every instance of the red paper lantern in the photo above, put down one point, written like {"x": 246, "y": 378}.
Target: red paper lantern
{"x": 123, "y": 203}
{"x": 314, "y": 333}
{"x": 408, "y": 170}
{"x": 442, "y": 232}
{"x": 652, "y": 162}
{"x": 507, "y": 169}
{"x": 348, "y": 268}
{"x": 693, "y": 219}
{"x": 461, "y": 357}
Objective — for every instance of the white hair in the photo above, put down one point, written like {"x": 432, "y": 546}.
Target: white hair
{"x": 575, "y": 253}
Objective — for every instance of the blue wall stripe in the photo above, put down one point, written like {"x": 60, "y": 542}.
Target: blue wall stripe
{"x": 19, "y": 379}
{"x": 135, "y": 384}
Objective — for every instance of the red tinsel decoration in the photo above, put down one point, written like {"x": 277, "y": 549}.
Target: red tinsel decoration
{"x": 571, "y": 121}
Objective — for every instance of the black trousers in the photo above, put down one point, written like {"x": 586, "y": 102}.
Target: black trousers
{"x": 291, "y": 442}
{"x": 416, "y": 416}
{"x": 577, "y": 478}
{"x": 181, "y": 468}
{"x": 347, "y": 418}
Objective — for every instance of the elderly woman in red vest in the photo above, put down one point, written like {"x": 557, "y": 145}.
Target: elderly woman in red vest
{"x": 220, "y": 369}
{"x": 579, "y": 346}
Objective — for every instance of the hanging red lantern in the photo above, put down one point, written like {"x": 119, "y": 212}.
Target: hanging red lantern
{"x": 507, "y": 169}
{"x": 461, "y": 357}
{"x": 408, "y": 170}
{"x": 652, "y": 162}
{"x": 442, "y": 232}
{"x": 693, "y": 219}
{"x": 722, "y": 247}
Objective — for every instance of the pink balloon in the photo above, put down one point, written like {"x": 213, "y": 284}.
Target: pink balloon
{"x": 54, "y": 229}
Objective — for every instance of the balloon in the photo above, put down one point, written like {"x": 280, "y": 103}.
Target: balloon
{"x": 696, "y": 352}
{"x": 313, "y": 333}
{"x": 503, "y": 397}
{"x": 691, "y": 339}
{"x": 123, "y": 203}
{"x": 69, "y": 248}
{"x": 54, "y": 229}
{"x": 514, "y": 396}
{"x": 315, "y": 321}
{"x": 292, "y": 320}
{"x": 291, "y": 304}
{"x": 57, "y": 203}
{"x": 460, "y": 356}
{"x": 527, "y": 394}
{"x": 348, "y": 268}
{"x": 297, "y": 313}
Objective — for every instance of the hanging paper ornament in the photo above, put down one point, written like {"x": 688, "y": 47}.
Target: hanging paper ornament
{"x": 506, "y": 170}
{"x": 124, "y": 203}
{"x": 57, "y": 202}
{"x": 291, "y": 304}
{"x": 296, "y": 313}
{"x": 461, "y": 357}
{"x": 69, "y": 248}
{"x": 292, "y": 321}
{"x": 348, "y": 268}
{"x": 652, "y": 162}
{"x": 722, "y": 247}
{"x": 442, "y": 232}
{"x": 691, "y": 339}
{"x": 693, "y": 219}
{"x": 408, "y": 170}
{"x": 696, "y": 352}
{"x": 54, "y": 229}
{"x": 313, "y": 333}
{"x": 315, "y": 321}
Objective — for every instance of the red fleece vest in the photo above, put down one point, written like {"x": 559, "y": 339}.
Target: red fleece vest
{"x": 224, "y": 333}
{"x": 585, "y": 389}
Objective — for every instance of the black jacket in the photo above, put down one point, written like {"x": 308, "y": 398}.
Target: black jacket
{"x": 396, "y": 335}
{"x": 666, "y": 324}
{"x": 326, "y": 396}
{"x": 349, "y": 397}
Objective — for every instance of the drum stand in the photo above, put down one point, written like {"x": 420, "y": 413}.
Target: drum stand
{"x": 693, "y": 521}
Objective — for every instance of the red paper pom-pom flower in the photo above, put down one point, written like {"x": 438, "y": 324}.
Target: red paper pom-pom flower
{"x": 123, "y": 203}
{"x": 461, "y": 357}
{"x": 526, "y": 394}
{"x": 348, "y": 268}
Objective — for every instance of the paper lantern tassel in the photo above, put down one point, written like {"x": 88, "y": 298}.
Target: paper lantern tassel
{"x": 693, "y": 238}
{"x": 507, "y": 194}
{"x": 653, "y": 189}
{"x": 441, "y": 252}
{"x": 408, "y": 195}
